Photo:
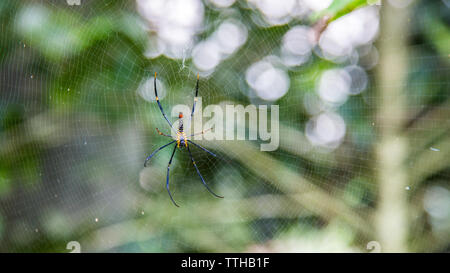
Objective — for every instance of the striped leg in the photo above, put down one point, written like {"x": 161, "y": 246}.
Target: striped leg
{"x": 159, "y": 149}
{"x": 204, "y": 149}
{"x": 199, "y": 174}
{"x": 195, "y": 97}
{"x": 168, "y": 170}
{"x": 201, "y": 133}
{"x": 159, "y": 104}
{"x": 161, "y": 133}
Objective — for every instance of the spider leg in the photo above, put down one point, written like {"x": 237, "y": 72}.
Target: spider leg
{"x": 168, "y": 170}
{"x": 161, "y": 133}
{"x": 159, "y": 104}
{"x": 195, "y": 97}
{"x": 201, "y": 133}
{"x": 199, "y": 174}
{"x": 157, "y": 150}
{"x": 204, "y": 149}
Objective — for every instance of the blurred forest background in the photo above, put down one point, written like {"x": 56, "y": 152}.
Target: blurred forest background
{"x": 363, "y": 90}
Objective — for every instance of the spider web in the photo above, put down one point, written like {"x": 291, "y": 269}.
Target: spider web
{"x": 77, "y": 83}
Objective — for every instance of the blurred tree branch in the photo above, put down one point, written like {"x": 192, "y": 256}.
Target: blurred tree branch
{"x": 392, "y": 148}
{"x": 337, "y": 9}
{"x": 299, "y": 189}
{"x": 430, "y": 136}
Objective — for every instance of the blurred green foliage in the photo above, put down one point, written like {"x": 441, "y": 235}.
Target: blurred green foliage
{"x": 74, "y": 133}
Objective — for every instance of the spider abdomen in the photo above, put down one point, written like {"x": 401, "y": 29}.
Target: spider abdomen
{"x": 181, "y": 139}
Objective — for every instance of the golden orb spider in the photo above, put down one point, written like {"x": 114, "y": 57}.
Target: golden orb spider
{"x": 181, "y": 141}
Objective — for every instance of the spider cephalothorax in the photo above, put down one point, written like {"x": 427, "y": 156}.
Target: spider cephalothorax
{"x": 181, "y": 141}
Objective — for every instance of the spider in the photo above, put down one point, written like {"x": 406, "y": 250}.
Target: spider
{"x": 182, "y": 141}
